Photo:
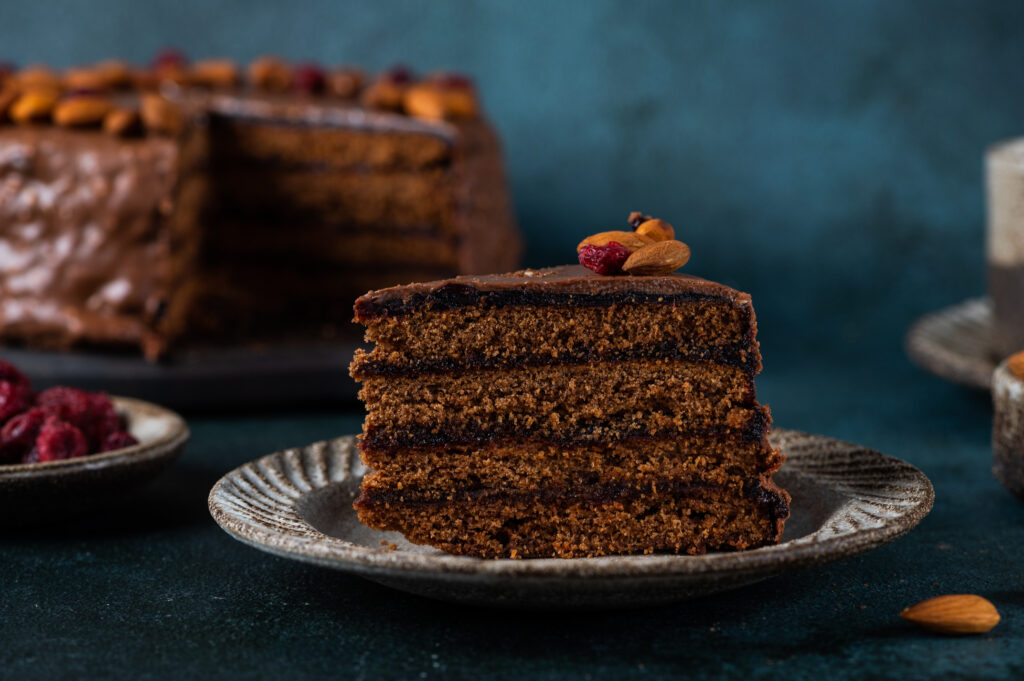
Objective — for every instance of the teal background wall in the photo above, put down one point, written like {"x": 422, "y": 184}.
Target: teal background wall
{"x": 825, "y": 156}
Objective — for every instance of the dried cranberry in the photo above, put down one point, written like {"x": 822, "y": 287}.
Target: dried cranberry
{"x": 102, "y": 421}
{"x": 308, "y": 78}
{"x": 14, "y": 399}
{"x": 8, "y": 372}
{"x": 68, "y": 404}
{"x": 19, "y": 433}
{"x": 605, "y": 259}
{"x": 169, "y": 57}
{"x": 118, "y": 440}
{"x": 398, "y": 74}
{"x": 60, "y": 440}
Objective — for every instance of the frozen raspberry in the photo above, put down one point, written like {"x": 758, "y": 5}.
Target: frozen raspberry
{"x": 60, "y": 440}
{"x": 67, "y": 404}
{"x": 14, "y": 399}
{"x": 308, "y": 78}
{"x": 605, "y": 259}
{"x": 118, "y": 440}
{"x": 19, "y": 434}
{"x": 8, "y": 372}
{"x": 169, "y": 57}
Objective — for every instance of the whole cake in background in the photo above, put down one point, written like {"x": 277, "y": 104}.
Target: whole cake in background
{"x": 570, "y": 411}
{"x": 1005, "y": 245}
{"x": 203, "y": 203}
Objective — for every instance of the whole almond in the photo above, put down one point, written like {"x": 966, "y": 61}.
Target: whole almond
{"x": 271, "y": 74}
{"x": 954, "y": 614}
{"x": 37, "y": 78}
{"x": 662, "y": 257}
{"x": 161, "y": 115}
{"x": 116, "y": 73}
{"x": 384, "y": 94}
{"x": 215, "y": 73}
{"x": 33, "y": 106}
{"x": 82, "y": 111}
{"x": 86, "y": 78}
{"x": 1016, "y": 364}
{"x": 659, "y": 230}
{"x": 122, "y": 122}
{"x": 630, "y": 240}
{"x": 429, "y": 100}
{"x": 344, "y": 82}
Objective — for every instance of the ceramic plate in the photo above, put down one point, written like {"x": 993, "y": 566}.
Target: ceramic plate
{"x": 298, "y": 504}
{"x": 955, "y": 343}
{"x": 35, "y": 492}
{"x": 203, "y": 378}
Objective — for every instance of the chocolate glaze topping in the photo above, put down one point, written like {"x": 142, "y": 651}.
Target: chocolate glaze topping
{"x": 571, "y": 285}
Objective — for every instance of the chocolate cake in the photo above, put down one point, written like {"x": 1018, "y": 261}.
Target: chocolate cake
{"x": 561, "y": 413}
{"x": 189, "y": 203}
{"x": 1005, "y": 246}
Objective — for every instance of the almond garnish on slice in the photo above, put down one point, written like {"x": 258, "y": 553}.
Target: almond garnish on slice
{"x": 656, "y": 229}
{"x": 954, "y": 614}
{"x": 661, "y": 257}
{"x": 630, "y": 240}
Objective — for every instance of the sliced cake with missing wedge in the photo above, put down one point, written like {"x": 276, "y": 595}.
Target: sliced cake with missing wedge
{"x": 561, "y": 413}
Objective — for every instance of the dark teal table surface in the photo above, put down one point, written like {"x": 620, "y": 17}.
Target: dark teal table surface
{"x": 154, "y": 589}
{"x": 825, "y": 156}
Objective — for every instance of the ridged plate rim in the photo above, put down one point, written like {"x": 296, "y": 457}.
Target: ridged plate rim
{"x": 259, "y": 503}
{"x": 955, "y": 343}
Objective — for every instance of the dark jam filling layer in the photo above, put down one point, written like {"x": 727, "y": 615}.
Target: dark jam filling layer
{"x": 453, "y": 296}
{"x": 753, "y": 431}
{"x": 768, "y": 500}
{"x": 739, "y": 355}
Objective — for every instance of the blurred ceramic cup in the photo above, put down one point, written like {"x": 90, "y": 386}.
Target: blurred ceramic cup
{"x": 1008, "y": 424}
{"x": 1004, "y": 170}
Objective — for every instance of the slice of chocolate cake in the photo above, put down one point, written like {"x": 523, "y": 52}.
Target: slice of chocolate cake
{"x": 561, "y": 413}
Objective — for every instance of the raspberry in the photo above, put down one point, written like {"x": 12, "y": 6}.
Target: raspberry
{"x": 8, "y": 372}
{"x": 605, "y": 259}
{"x": 14, "y": 399}
{"x": 308, "y": 78}
{"x": 60, "y": 440}
{"x": 67, "y": 404}
{"x": 19, "y": 433}
{"x": 118, "y": 440}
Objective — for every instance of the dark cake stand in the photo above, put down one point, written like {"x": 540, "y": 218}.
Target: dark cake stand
{"x": 208, "y": 378}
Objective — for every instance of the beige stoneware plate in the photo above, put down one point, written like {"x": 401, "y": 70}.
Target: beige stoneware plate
{"x": 298, "y": 504}
{"x": 35, "y": 492}
{"x": 955, "y": 343}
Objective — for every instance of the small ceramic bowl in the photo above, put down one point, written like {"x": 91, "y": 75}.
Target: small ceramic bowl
{"x": 37, "y": 492}
{"x": 1008, "y": 429}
